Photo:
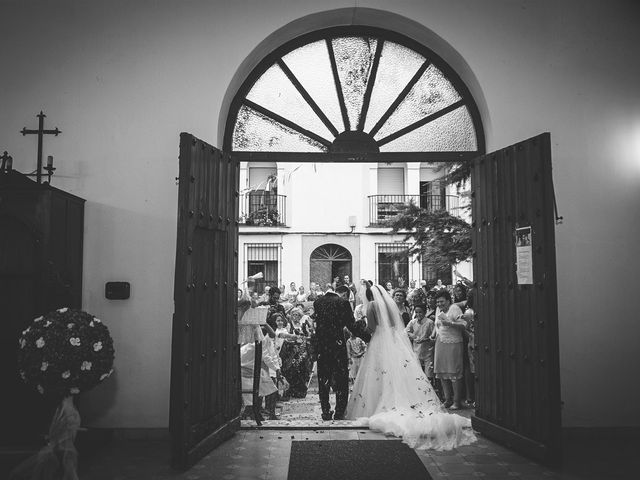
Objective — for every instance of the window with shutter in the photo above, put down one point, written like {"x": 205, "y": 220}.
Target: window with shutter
{"x": 391, "y": 181}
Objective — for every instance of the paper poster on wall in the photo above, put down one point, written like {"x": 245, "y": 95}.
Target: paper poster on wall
{"x": 524, "y": 258}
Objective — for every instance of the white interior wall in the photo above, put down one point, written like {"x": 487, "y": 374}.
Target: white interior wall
{"x": 122, "y": 80}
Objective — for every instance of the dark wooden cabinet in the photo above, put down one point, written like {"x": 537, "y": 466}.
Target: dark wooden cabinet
{"x": 41, "y": 233}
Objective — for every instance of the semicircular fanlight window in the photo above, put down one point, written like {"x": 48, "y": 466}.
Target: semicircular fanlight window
{"x": 391, "y": 94}
{"x": 331, "y": 252}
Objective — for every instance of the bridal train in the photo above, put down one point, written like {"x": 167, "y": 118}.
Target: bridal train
{"x": 391, "y": 393}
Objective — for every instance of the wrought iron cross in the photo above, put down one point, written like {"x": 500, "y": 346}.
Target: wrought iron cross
{"x": 41, "y": 131}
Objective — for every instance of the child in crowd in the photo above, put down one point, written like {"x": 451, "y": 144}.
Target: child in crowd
{"x": 469, "y": 353}
{"x": 419, "y": 330}
{"x": 269, "y": 364}
{"x": 359, "y": 312}
{"x": 282, "y": 335}
{"x": 271, "y": 360}
{"x": 355, "y": 349}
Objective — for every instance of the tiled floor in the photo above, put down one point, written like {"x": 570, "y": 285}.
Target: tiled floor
{"x": 264, "y": 454}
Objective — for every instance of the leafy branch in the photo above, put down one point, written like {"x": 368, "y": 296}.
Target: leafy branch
{"x": 442, "y": 239}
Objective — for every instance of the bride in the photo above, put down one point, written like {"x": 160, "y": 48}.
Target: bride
{"x": 391, "y": 393}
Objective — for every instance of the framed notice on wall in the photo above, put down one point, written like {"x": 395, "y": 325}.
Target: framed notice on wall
{"x": 524, "y": 257}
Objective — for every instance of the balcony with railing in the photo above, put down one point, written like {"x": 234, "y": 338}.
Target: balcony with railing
{"x": 384, "y": 207}
{"x": 262, "y": 208}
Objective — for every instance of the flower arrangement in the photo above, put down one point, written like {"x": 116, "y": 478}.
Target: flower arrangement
{"x": 263, "y": 217}
{"x": 65, "y": 352}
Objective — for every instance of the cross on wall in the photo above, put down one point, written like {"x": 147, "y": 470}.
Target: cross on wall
{"x": 40, "y": 132}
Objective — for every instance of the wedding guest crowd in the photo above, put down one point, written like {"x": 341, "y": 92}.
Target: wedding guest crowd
{"x": 439, "y": 323}
{"x": 450, "y": 307}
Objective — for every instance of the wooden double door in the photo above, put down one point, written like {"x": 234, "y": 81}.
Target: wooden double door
{"x": 518, "y": 391}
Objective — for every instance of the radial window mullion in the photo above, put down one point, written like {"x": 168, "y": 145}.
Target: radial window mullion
{"x": 400, "y": 97}
{"x": 419, "y": 123}
{"x": 286, "y": 122}
{"x": 338, "y": 85}
{"x": 314, "y": 106}
{"x": 370, "y": 83}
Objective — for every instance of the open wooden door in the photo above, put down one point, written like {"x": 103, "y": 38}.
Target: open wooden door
{"x": 205, "y": 358}
{"x": 518, "y": 389}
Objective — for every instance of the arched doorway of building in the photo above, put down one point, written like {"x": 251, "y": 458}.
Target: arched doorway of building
{"x": 327, "y": 262}
{"x": 427, "y": 114}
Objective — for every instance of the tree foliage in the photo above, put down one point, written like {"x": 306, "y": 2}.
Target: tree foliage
{"x": 442, "y": 238}
{"x": 458, "y": 174}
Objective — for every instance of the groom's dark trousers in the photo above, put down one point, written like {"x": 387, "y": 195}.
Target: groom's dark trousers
{"x": 333, "y": 366}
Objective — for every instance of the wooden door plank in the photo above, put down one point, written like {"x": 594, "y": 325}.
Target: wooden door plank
{"x": 508, "y": 181}
{"x": 474, "y": 259}
{"x": 533, "y": 392}
{"x": 487, "y": 288}
{"x": 550, "y": 326}
{"x": 224, "y": 263}
{"x": 235, "y": 392}
{"x": 536, "y": 193}
{"x": 482, "y": 303}
{"x": 179, "y": 337}
{"x": 476, "y": 199}
{"x": 500, "y": 288}
{"x": 525, "y": 419}
{"x": 493, "y": 288}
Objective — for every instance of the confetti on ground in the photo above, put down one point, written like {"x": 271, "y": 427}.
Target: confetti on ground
{"x": 304, "y": 413}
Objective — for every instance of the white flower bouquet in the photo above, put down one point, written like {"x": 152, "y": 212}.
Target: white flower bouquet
{"x": 65, "y": 352}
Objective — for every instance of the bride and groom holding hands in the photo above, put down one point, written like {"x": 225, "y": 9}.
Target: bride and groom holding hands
{"x": 391, "y": 393}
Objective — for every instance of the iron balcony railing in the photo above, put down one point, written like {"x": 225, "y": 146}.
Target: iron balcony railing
{"x": 263, "y": 209}
{"x": 383, "y": 207}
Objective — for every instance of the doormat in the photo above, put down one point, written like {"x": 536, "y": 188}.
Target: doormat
{"x": 355, "y": 460}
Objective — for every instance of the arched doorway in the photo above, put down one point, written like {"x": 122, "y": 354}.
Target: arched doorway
{"x": 350, "y": 94}
{"x": 284, "y": 112}
{"x": 329, "y": 261}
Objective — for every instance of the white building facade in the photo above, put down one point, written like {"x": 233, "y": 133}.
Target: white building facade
{"x": 306, "y": 223}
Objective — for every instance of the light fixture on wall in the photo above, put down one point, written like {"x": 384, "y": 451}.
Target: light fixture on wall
{"x": 352, "y": 223}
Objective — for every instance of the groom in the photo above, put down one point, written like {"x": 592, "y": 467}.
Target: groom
{"x": 333, "y": 313}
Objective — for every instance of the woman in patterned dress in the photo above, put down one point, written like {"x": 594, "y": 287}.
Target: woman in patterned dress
{"x": 296, "y": 361}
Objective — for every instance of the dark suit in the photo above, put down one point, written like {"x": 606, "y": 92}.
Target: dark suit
{"x": 333, "y": 313}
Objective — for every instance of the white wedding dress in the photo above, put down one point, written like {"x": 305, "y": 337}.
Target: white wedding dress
{"x": 391, "y": 393}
